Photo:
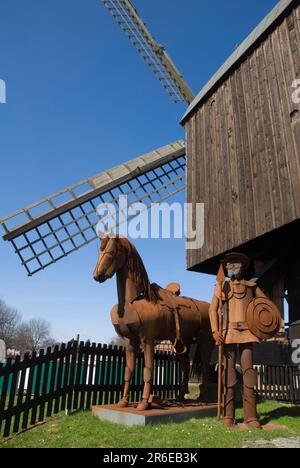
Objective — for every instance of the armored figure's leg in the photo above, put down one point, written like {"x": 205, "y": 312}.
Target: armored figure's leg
{"x": 131, "y": 352}
{"x": 230, "y": 381}
{"x": 250, "y": 382}
{"x": 148, "y": 375}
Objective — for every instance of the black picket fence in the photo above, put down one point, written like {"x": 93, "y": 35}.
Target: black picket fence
{"x": 280, "y": 383}
{"x": 74, "y": 376}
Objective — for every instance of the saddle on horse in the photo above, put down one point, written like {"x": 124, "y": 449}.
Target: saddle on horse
{"x": 170, "y": 297}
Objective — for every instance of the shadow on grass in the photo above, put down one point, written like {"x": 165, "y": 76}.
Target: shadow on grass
{"x": 292, "y": 412}
{"x": 266, "y": 416}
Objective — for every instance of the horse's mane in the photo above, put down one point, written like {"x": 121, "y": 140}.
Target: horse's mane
{"x": 136, "y": 267}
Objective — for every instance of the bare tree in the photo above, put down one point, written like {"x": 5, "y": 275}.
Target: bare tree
{"x": 119, "y": 341}
{"x": 9, "y": 323}
{"x": 23, "y": 339}
{"x": 40, "y": 331}
{"x": 34, "y": 335}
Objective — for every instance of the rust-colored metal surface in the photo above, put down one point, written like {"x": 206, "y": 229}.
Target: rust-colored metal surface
{"x": 263, "y": 318}
{"x": 234, "y": 332}
{"x": 146, "y": 313}
{"x": 170, "y": 408}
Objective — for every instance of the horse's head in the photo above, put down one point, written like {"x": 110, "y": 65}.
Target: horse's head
{"x": 112, "y": 258}
{"x": 118, "y": 253}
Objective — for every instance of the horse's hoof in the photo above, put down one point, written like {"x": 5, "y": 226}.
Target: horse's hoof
{"x": 202, "y": 400}
{"x": 143, "y": 406}
{"x": 181, "y": 399}
{"x": 123, "y": 403}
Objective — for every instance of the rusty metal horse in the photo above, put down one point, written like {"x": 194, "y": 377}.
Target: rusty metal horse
{"x": 146, "y": 313}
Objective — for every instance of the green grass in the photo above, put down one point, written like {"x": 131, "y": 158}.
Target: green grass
{"x": 84, "y": 430}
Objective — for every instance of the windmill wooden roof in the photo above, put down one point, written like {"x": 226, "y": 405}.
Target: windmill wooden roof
{"x": 239, "y": 54}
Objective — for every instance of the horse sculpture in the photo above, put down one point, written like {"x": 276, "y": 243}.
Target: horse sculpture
{"x": 147, "y": 313}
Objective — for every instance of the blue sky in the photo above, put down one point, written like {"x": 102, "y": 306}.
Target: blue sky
{"x": 80, "y": 100}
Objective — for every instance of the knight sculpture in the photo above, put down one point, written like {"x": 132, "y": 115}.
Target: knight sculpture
{"x": 248, "y": 318}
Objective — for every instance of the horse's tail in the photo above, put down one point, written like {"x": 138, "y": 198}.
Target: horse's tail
{"x": 196, "y": 369}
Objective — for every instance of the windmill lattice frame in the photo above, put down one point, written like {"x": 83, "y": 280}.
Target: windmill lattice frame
{"x": 153, "y": 53}
{"x": 51, "y": 230}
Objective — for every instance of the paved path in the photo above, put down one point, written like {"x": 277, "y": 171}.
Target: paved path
{"x": 282, "y": 442}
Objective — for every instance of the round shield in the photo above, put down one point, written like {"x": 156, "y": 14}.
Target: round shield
{"x": 263, "y": 318}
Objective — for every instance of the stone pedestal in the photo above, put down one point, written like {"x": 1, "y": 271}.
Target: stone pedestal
{"x": 131, "y": 417}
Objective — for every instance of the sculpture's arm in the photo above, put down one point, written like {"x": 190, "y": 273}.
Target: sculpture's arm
{"x": 213, "y": 314}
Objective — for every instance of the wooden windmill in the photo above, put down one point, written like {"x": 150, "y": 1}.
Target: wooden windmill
{"x": 243, "y": 135}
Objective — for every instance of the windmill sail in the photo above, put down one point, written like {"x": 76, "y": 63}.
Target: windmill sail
{"x": 153, "y": 53}
{"x": 48, "y": 230}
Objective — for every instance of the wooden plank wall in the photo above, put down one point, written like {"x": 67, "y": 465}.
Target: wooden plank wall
{"x": 243, "y": 147}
